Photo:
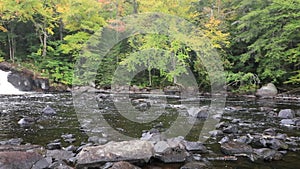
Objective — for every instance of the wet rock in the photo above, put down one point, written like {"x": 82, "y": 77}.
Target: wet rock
{"x": 286, "y": 114}
{"x": 123, "y": 165}
{"x": 13, "y": 141}
{"x": 195, "y": 147}
{"x": 232, "y": 147}
{"x": 18, "y": 159}
{"x": 230, "y": 129}
{"x": 269, "y": 90}
{"x": 194, "y": 165}
{"x": 134, "y": 150}
{"x": 48, "y": 111}
{"x": 267, "y": 154}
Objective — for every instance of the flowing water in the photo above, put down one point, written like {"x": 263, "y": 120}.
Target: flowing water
{"x": 253, "y": 119}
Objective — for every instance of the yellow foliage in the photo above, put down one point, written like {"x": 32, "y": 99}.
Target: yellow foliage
{"x": 3, "y": 29}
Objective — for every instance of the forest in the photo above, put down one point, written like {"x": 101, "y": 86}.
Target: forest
{"x": 258, "y": 41}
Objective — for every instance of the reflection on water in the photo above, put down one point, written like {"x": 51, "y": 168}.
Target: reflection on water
{"x": 253, "y": 119}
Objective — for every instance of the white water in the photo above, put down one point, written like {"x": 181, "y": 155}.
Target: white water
{"x": 5, "y": 86}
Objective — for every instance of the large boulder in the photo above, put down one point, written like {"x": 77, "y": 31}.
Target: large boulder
{"x": 19, "y": 159}
{"x": 269, "y": 90}
{"x": 134, "y": 150}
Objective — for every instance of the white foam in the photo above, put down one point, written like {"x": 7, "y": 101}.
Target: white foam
{"x": 5, "y": 86}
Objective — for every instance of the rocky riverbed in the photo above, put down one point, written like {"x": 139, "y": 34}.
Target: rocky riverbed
{"x": 251, "y": 132}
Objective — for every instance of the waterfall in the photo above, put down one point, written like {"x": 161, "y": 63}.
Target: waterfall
{"x": 5, "y": 86}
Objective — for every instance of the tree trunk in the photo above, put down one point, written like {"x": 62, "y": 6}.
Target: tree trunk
{"x": 44, "y": 43}
{"x": 61, "y": 29}
{"x": 135, "y": 7}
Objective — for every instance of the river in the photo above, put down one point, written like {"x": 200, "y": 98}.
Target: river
{"x": 252, "y": 117}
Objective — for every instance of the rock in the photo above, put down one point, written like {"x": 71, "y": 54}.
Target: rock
{"x": 173, "y": 155}
{"x": 224, "y": 140}
{"x": 13, "y": 141}
{"x": 53, "y": 146}
{"x": 231, "y": 148}
{"x": 286, "y": 114}
{"x": 25, "y": 148}
{"x": 42, "y": 163}
{"x": 49, "y": 111}
{"x": 71, "y": 148}
{"x": 123, "y": 165}
{"x": 195, "y": 147}
{"x": 267, "y": 154}
{"x": 287, "y": 122}
{"x": 277, "y": 144}
{"x": 59, "y": 165}
{"x": 194, "y": 165}
{"x": 269, "y": 90}
{"x": 161, "y": 146}
{"x": 18, "y": 159}
{"x": 26, "y": 121}
{"x": 244, "y": 139}
{"x": 134, "y": 150}
{"x": 152, "y": 135}
{"x": 201, "y": 113}
{"x": 230, "y": 129}
{"x": 60, "y": 154}
{"x": 215, "y": 133}
{"x": 170, "y": 151}
{"x": 270, "y": 132}
{"x": 97, "y": 140}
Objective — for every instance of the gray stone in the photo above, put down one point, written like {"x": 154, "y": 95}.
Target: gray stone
{"x": 161, "y": 146}
{"x": 287, "y": 122}
{"x": 195, "y": 146}
{"x": 18, "y": 159}
{"x": 173, "y": 155}
{"x": 232, "y": 147}
{"x": 194, "y": 165}
{"x": 48, "y": 111}
{"x": 54, "y": 146}
{"x": 269, "y": 90}
{"x": 270, "y": 132}
{"x": 59, "y": 154}
{"x": 42, "y": 163}
{"x": 123, "y": 165}
{"x": 134, "y": 150}
{"x": 215, "y": 133}
{"x": 277, "y": 144}
{"x": 230, "y": 129}
{"x": 268, "y": 154}
{"x": 13, "y": 141}
{"x": 286, "y": 114}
